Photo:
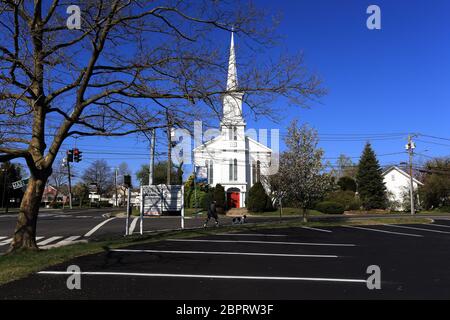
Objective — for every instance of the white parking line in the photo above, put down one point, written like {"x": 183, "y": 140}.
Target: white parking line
{"x": 385, "y": 231}
{"x": 438, "y": 225}
{"x": 228, "y": 253}
{"x": 202, "y": 276}
{"x": 268, "y": 242}
{"x": 98, "y": 227}
{"x": 414, "y": 228}
{"x": 1, "y": 238}
{"x": 47, "y": 241}
{"x": 317, "y": 229}
{"x": 251, "y": 234}
{"x": 133, "y": 225}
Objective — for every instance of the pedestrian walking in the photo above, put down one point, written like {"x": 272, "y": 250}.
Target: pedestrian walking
{"x": 212, "y": 213}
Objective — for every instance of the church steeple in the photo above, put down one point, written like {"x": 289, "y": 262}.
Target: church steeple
{"x": 232, "y": 99}
{"x": 232, "y": 81}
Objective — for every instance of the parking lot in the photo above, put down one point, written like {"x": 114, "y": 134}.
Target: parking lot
{"x": 288, "y": 263}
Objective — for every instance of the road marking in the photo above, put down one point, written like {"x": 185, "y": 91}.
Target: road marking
{"x": 228, "y": 253}
{"x": 268, "y": 242}
{"x": 98, "y": 227}
{"x": 1, "y": 238}
{"x": 438, "y": 225}
{"x": 385, "y": 231}
{"x": 70, "y": 239}
{"x": 133, "y": 225}
{"x": 7, "y": 241}
{"x": 317, "y": 229}
{"x": 203, "y": 276}
{"x": 47, "y": 241}
{"x": 414, "y": 228}
{"x": 251, "y": 234}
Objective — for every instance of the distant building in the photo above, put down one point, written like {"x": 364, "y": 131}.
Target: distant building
{"x": 233, "y": 159}
{"x": 397, "y": 184}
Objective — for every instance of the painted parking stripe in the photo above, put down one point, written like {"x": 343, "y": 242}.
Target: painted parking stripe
{"x": 228, "y": 253}
{"x": 385, "y": 231}
{"x": 47, "y": 241}
{"x": 251, "y": 234}
{"x": 133, "y": 225}
{"x": 267, "y": 242}
{"x": 202, "y": 276}
{"x": 317, "y": 229}
{"x": 420, "y": 229}
{"x": 438, "y": 225}
{"x": 101, "y": 224}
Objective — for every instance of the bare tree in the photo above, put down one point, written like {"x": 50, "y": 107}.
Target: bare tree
{"x": 301, "y": 175}
{"x": 128, "y": 63}
{"x": 99, "y": 173}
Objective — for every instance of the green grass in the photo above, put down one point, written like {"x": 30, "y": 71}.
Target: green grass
{"x": 23, "y": 263}
{"x": 287, "y": 212}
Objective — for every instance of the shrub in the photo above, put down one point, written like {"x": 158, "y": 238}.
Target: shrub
{"x": 257, "y": 198}
{"x": 354, "y": 205}
{"x": 347, "y": 184}
{"x": 330, "y": 207}
{"x": 219, "y": 196}
{"x": 345, "y": 198}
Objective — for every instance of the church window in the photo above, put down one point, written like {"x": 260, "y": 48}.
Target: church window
{"x": 230, "y": 170}
{"x": 235, "y": 133}
{"x": 258, "y": 171}
{"x": 211, "y": 173}
{"x": 235, "y": 170}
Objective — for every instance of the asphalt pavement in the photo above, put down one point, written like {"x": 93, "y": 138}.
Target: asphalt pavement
{"x": 276, "y": 264}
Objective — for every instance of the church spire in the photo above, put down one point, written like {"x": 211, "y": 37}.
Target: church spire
{"x": 232, "y": 81}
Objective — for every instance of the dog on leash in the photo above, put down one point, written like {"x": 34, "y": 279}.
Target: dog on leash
{"x": 239, "y": 220}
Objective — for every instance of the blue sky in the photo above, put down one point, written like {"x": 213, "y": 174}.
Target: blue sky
{"x": 393, "y": 80}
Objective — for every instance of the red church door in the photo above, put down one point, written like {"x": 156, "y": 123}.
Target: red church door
{"x": 233, "y": 199}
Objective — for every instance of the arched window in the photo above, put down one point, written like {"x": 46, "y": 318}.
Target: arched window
{"x": 211, "y": 172}
{"x": 235, "y": 170}
{"x": 253, "y": 173}
{"x": 230, "y": 170}
{"x": 230, "y": 133}
{"x": 235, "y": 133}
{"x": 258, "y": 171}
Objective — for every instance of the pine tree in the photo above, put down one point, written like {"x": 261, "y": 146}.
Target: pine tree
{"x": 371, "y": 188}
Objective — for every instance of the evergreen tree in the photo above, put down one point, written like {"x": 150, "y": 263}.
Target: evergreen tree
{"x": 371, "y": 188}
{"x": 257, "y": 198}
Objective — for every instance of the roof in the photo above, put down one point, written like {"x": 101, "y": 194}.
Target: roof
{"x": 402, "y": 172}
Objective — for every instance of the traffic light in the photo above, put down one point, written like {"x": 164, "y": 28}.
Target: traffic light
{"x": 77, "y": 155}
{"x": 69, "y": 155}
{"x": 127, "y": 181}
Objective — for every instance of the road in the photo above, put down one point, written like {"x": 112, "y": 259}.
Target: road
{"x": 289, "y": 263}
{"x": 57, "y": 227}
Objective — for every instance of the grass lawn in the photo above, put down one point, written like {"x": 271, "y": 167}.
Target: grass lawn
{"x": 287, "y": 212}
{"x": 21, "y": 264}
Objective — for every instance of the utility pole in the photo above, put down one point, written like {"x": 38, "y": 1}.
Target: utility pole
{"x": 410, "y": 147}
{"x": 5, "y": 172}
{"x": 115, "y": 185}
{"x": 70, "y": 185}
{"x": 151, "y": 166}
{"x": 169, "y": 148}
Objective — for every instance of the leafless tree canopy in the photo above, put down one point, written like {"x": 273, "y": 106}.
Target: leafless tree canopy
{"x": 129, "y": 64}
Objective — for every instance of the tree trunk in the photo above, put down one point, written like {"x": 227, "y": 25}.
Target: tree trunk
{"x": 305, "y": 215}
{"x": 25, "y": 232}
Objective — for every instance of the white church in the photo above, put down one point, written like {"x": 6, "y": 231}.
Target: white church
{"x": 233, "y": 159}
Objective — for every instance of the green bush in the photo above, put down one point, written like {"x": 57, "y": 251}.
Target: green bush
{"x": 330, "y": 207}
{"x": 445, "y": 209}
{"x": 345, "y": 198}
{"x": 219, "y": 196}
{"x": 347, "y": 184}
{"x": 257, "y": 198}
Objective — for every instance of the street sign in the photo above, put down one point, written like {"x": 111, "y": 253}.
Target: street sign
{"x": 92, "y": 188}
{"x": 19, "y": 184}
{"x": 157, "y": 199}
